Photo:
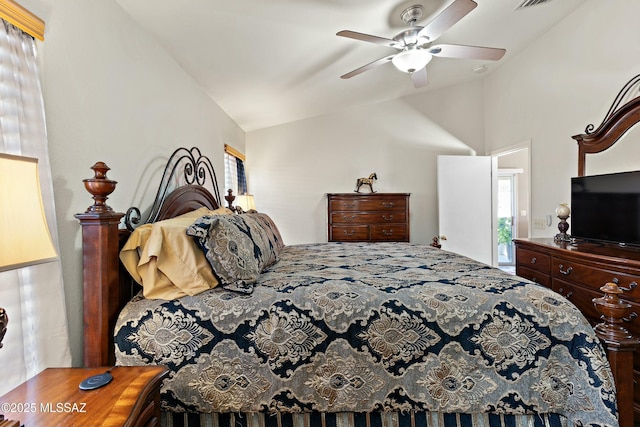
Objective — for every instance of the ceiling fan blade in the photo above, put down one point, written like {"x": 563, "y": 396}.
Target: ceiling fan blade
{"x": 447, "y": 19}
{"x": 467, "y": 52}
{"x": 420, "y": 78}
{"x": 367, "y": 67}
{"x": 368, "y": 38}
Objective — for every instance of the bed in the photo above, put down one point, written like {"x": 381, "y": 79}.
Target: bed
{"x": 333, "y": 334}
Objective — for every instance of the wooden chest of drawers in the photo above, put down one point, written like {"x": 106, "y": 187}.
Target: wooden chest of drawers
{"x": 374, "y": 217}
{"x": 578, "y": 271}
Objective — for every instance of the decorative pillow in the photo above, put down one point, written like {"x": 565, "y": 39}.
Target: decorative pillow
{"x": 233, "y": 245}
{"x": 270, "y": 236}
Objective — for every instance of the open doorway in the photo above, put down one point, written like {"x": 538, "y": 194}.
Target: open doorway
{"x": 474, "y": 232}
{"x": 507, "y": 214}
{"x": 513, "y": 200}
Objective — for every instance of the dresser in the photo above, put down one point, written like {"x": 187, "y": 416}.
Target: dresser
{"x": 368, "y": 217}
{"x": 578, "y": 271}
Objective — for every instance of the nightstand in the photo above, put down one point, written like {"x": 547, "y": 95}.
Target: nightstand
{"x": 52, "y": 398}
{"x": 8, "y": 423}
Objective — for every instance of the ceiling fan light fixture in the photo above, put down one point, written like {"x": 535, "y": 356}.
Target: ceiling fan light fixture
{"x": 411, "y": 60}
{"x": 414, "y": 43}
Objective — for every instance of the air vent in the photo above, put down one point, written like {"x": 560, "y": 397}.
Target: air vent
{"x": 529, "y": 3}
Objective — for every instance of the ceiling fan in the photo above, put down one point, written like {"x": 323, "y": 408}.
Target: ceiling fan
{"x": 414, "y": 44}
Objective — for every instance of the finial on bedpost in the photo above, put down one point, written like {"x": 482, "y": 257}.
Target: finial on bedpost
{"x": 100, "y": 270}
{"x": 100, "y": 187}
{"x": 230, "y": 198}
{"x": 614, "y": 311}
{"x": 620, "y": 345}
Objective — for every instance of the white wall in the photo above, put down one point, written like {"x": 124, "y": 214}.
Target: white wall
{"x": 549, "y": 92}
{"x": 552, "y": 90}
{"x": 292, "y": 166}
{"x": 113, "y": 95}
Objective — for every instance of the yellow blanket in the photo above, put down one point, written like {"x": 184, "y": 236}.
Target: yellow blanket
{"x": 165, "y": 261}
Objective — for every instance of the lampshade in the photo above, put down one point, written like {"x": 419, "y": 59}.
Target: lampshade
{"x": 24, "y": 235}
{"x": 246, "y": 202}
{"x": 563, "y": 211}
{"x": 411, "y": 59}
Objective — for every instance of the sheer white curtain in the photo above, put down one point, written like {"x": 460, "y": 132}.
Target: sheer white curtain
{"x": 37, "y": 335}
{"x": 230, "y": 174}
{"x": 234, "y": 173}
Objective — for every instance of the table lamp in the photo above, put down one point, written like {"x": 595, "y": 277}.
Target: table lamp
{"x": 563, "y": 211}
{"x": 24, "y": 234}
{"x": 246, "y": 203}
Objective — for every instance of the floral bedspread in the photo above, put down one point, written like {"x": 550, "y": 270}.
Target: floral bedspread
{"x": 357, "y": 327}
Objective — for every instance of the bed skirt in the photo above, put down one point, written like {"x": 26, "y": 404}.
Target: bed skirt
{"x": 350, "y": 419}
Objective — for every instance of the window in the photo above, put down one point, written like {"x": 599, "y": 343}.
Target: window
{"x": 32, "y": 296}
{"x": 234, "y": 176}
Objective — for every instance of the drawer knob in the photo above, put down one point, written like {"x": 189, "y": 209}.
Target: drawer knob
{"x": 348, "y": 218}
{"x": 387, "y": 232}
{"x": 387, "y": 217}
{"x": 534, "y": 260}
{"x": 567, "y": 271}
{"x": 631, "y": 287}
{"x": 567, "y": 296}
{"x": 631, "y": 317}
{"x": 349, "y": 232}
{"x": 388, "y": 204}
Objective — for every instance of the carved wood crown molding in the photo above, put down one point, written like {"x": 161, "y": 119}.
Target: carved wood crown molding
{"x": 623, "y": 114}
{"x": 17, "y": 15}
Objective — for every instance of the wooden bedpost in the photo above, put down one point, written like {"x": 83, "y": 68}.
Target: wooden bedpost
{"x": 620, "y": 346}
{"x": 100, "y": 269}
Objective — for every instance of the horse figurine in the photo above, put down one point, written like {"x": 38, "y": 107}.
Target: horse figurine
{"x": 366, "y": 181}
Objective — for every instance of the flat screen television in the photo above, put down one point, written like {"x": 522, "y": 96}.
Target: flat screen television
{"x": 606, "y": 208}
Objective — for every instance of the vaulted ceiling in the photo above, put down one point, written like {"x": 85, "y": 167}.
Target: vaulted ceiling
{"x": 268, "y": 62}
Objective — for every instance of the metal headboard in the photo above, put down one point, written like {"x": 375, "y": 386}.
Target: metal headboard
{"x": 196, "y": 169}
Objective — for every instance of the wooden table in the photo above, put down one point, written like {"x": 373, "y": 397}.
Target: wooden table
{"x": 52, "y": 398}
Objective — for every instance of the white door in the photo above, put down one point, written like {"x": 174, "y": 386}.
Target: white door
{"x": 466, "y": 205}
